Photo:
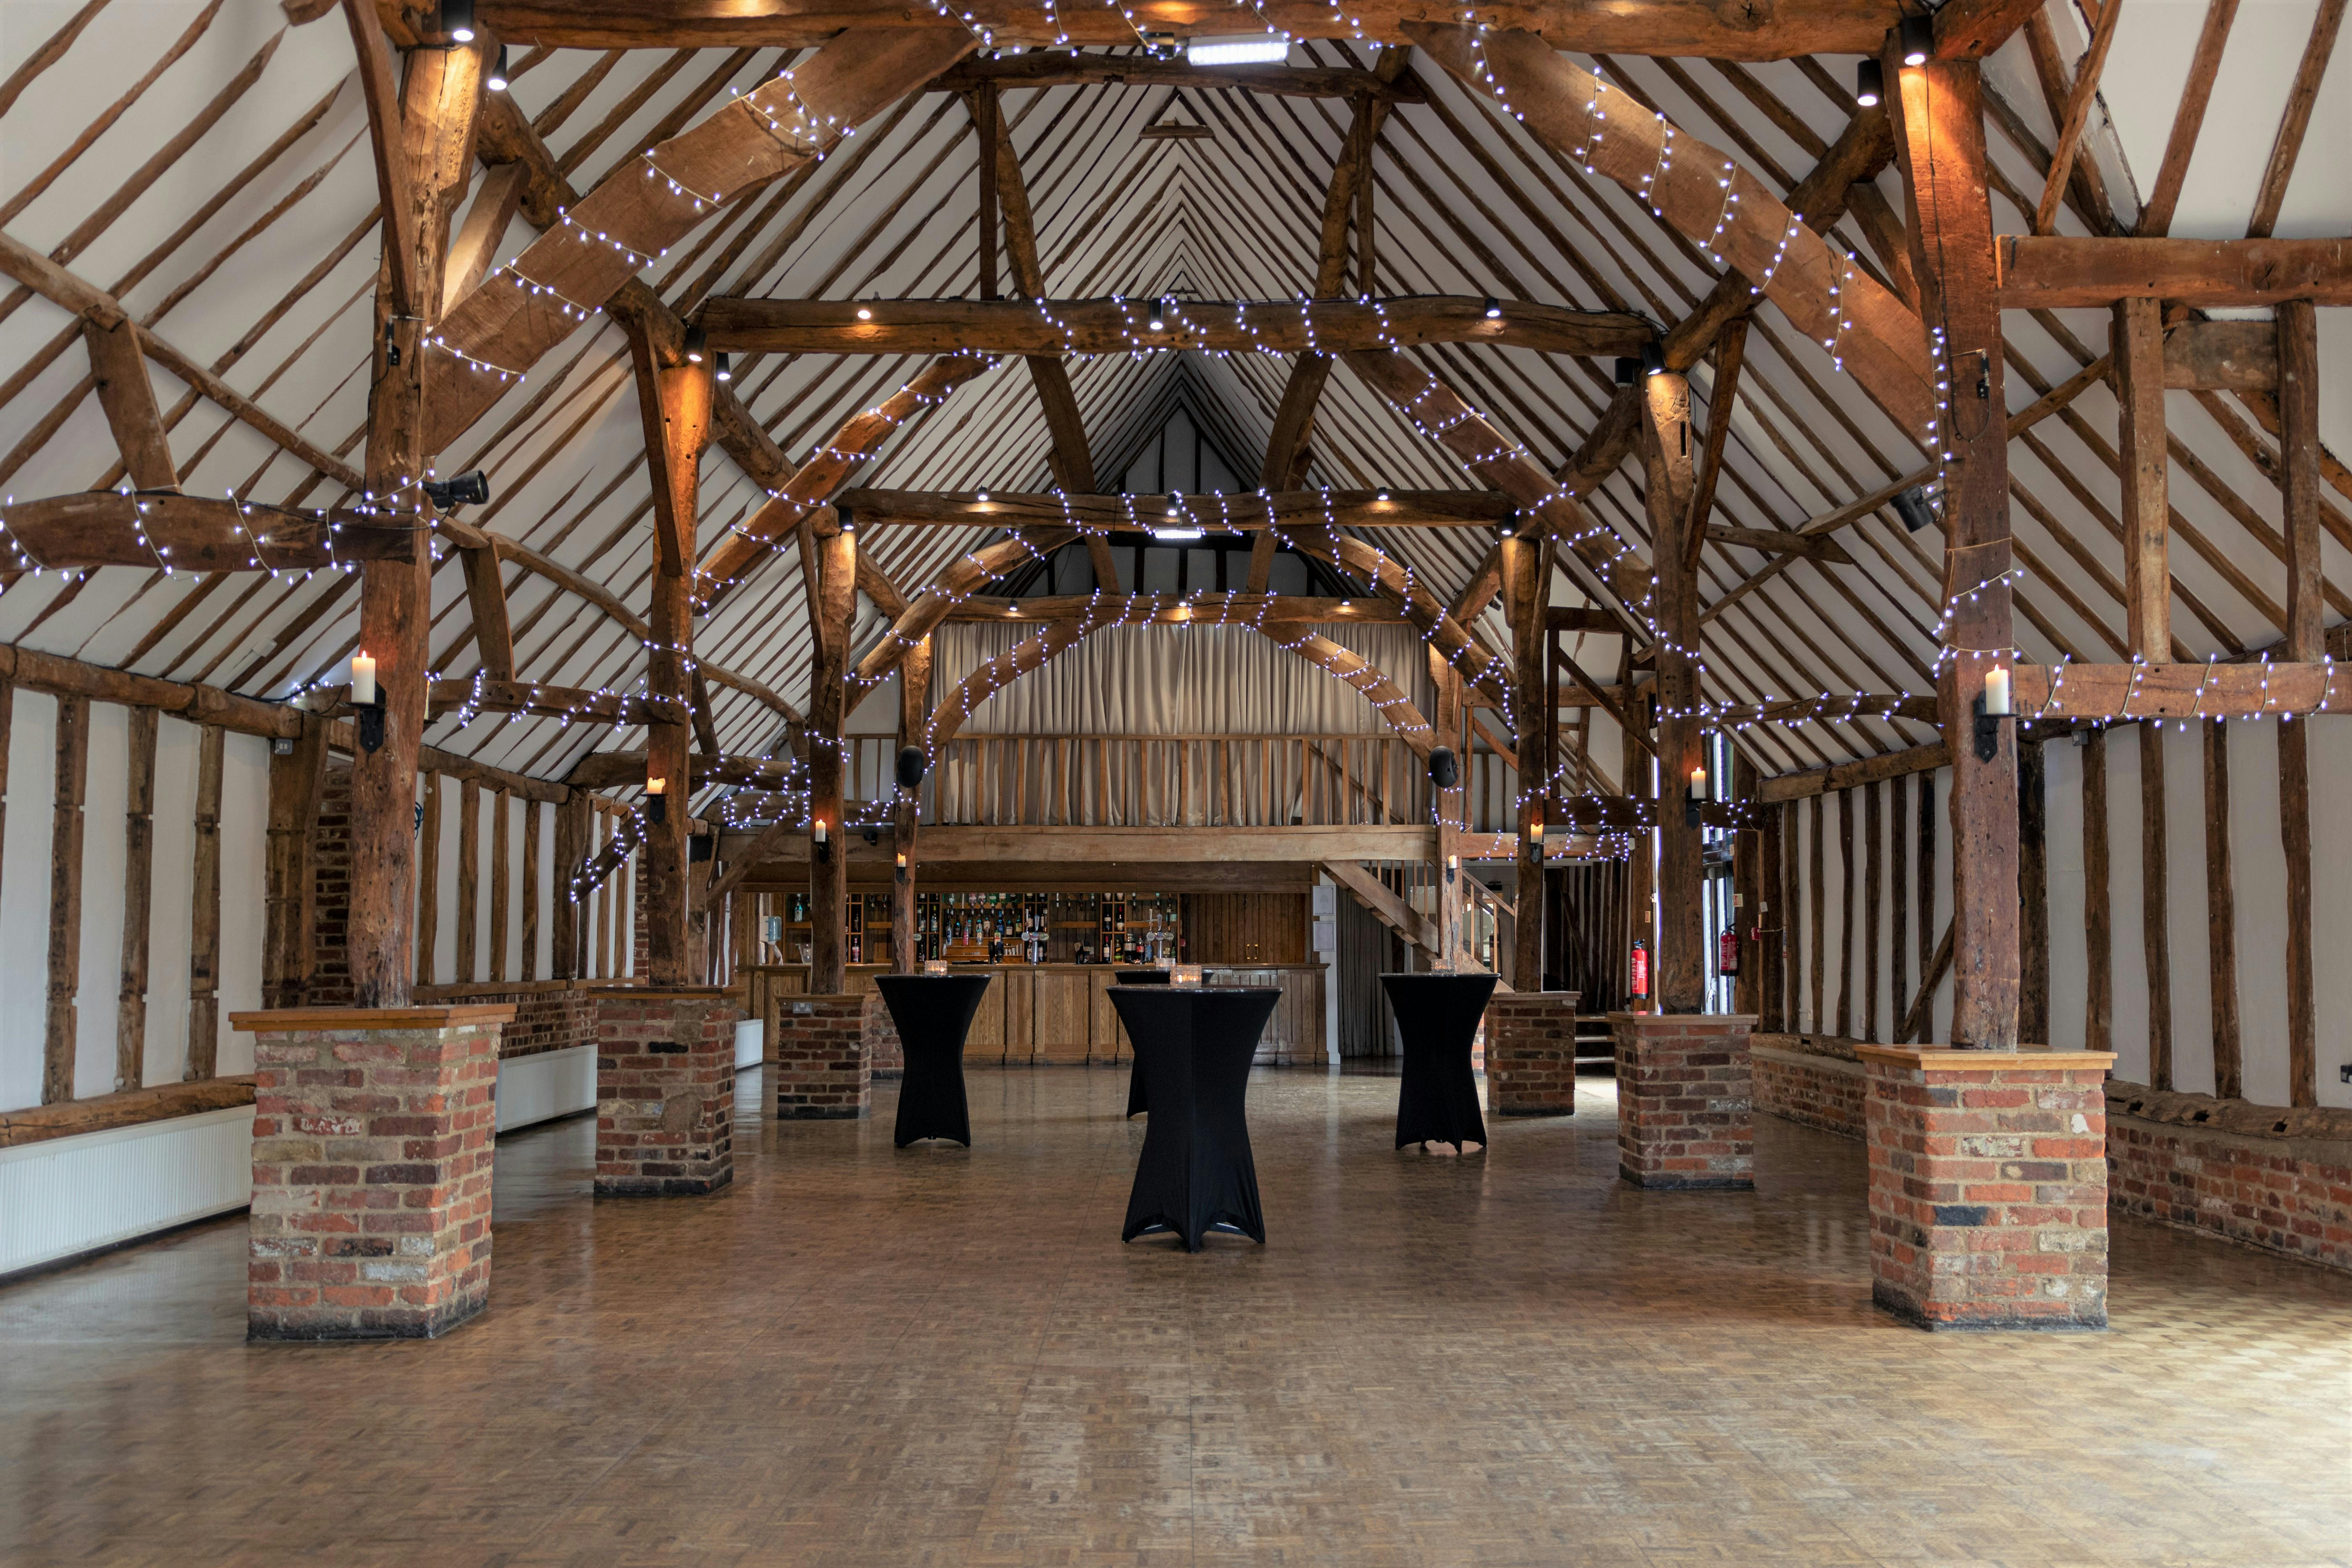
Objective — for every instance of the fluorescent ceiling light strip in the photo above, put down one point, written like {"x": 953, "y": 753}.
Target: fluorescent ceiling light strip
{"x": 1238, "y": 49}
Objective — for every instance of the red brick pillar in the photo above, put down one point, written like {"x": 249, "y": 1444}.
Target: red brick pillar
{"x": 1685, "y": 1102}
{"x": 822, "y": 1069}
{"x": 1989, "y": 1187}
{"x": 885, "y": 1058}
{"x": 373, "y": 1136}
{"x": 1531, "y": 1053}
{"x": 665, "y": 1091}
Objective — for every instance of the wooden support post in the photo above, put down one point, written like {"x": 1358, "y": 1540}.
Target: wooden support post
{"x": 1746, "y": 896}
{"x": 2295, "y": 833}
{"x": 906, "y": 812}
{"x": 985, "y": 111}
{"x": 501, "y": 804}
{"x": 424, "y": 141}
{"x": 65, "y": 899}
{"x": 1873, "y": 881}
{"x": 204, "y": 912}
{"x": 533, "y": 813}
{"x": 2155, "y": 929}
{"x": 1926, "y": 892}
{"x": 1846, "y": 902}
{"x": 2221, "y": 918}
{"x": 2098, "y": 924}
{"x": 428, "y": 881}
{"x": 2136, "y": 348}
{"x": 296, "y": 780}
{"x": 1668, "y": 459}
{"x": 1938, "y": 117}
{"x": 1818, "y": 925}
{"x": 469, "y": 882}
{"x": 1524, "y": 602}
{"x": 1772, "y": 918}
{"x": 2298, "y": 400}
{"x": 1898, "y": 897}
{"x": 574, "y": 830}
{"x": 138, "y": 902}
{"x": 2032, "y": 895}
{"x": 829, "y": 863}
{"x": 1452, "y": 878}
{"x": 675, "y": 404}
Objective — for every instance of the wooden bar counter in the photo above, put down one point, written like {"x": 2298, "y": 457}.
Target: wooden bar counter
{"x": 1059, "y": 1014}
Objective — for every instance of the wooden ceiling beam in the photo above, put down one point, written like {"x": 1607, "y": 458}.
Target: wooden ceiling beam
{"x": 88, "y": 529}
{"x": 1696, "y": 27}
{"x": 2056, "y": 272}
{"x": 126, "y": 395}
{"x": 487, "y": 694}
{"x": 1054, "y": 68}
{"x": 1249, "y": 512}
{"x": 1116, "y": 325}
{"x": 1186, "y": 609}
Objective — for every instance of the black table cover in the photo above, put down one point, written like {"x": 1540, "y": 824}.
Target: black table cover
{"x": 1437, "y": 1018}
{"x": 1193, "y": 1048}
{"x": 933, "y": 1012}
{"x": 1134, "y": 1105}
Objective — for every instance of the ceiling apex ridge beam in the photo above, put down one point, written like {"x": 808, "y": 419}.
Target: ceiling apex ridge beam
{"x": 602, "y": 241}
{"x": 1871, "y": 332}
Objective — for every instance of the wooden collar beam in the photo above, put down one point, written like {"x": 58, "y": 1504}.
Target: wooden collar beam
{"x": 581, "y": 707}
{"x": 190, "y": 533}
{"x": 1054, "y": 68}
{"x": 1247, "y": 512}
{"x": 1125, "y": 326}
{"x": 1175, "y": 609}
{"x": 2059, "y": 272}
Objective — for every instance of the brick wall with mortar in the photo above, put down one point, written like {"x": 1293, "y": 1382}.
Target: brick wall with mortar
{"x": 1988, "y": 1187}
{"x": 1685, "y": 1106}
{"x": 330, "y": 889}
{"x": 1530, "y": 1053}
{"x": 885, "y": 1058}
{"x": 1814, "y": 1079}
{"x": 372, "y": 1162}
{"x": 821, "y": 1069}
{"x": 2267, "y": 1176}
{"x": 665, "y": 1092}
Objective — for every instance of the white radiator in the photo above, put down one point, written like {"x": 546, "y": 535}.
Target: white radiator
{"x": 75, "y": 1194}
{"x": 544, "y": 1086}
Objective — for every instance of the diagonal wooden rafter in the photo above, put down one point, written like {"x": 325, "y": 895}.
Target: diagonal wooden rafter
{"x": 128, "y": 396}
{"x": 634, "y": 214}
{"x": 496, "y": 200}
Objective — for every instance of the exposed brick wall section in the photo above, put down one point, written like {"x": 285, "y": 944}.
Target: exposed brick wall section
{"x": 372, "y": 1159}
{"x": 2266, "y": 1176}
{"x": 549, "y": 1015}
{"x": 1989, "y": 1187}
{"x": 330, "y": 889}
{"x": 886, "y": 1056}
{"x": 1685, "y": 1104}
{"x": 821, "y": 1068}
{"x": 1530, "y": 1053}
{"x": 665, "y": 1091}
{"x": 1814, "y": 1079}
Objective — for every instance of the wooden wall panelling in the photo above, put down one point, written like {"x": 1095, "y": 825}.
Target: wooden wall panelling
{"x": 985, "y": 1039}
{"x": 1020, "y": 988}
{"x": 2033, "y": 894}
{"x": 1062, "y": 1006}
{"x": 205, "y": 912}
{"x": 138, "y": 901}
{"x": 65, "y": 899}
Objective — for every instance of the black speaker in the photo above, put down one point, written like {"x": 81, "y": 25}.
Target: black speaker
{"x": 1444, "y": 769}
{"x": 911, "y": 766}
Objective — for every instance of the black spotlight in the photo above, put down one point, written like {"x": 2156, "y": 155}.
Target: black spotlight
{"x": 1627, "y": 370}
{"x": 498, "y": 82}
{"x": 1917, "y": 35}
{"x": 471, "y": 487}
{"x": 695, "y": 344}
{"x": 723, "y": 371}
{"x": 1654, "y": 359}
{"x": 1913, "y": 508}
{"x": 458, "y": 19}
{"x": 911, "y": 766}
{"x": 1494, "y": 309}
{"x": 1444, "y": 768}
{"x": 1869, "y": 83}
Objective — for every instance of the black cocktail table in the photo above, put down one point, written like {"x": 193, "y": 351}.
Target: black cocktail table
{"x": 1193, "y": 1048}
{"x": 1134, "y": 1105}
{"x": 1437, "y": 1019}
{"x": 933, "y": 1012}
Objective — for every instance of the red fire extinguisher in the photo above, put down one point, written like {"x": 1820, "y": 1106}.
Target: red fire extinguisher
{"x": 1641, "y": 985}
{"x": 1727, "y": 952}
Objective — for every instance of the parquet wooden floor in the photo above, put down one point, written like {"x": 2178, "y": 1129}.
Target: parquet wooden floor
{"x": 863, "y": 1356}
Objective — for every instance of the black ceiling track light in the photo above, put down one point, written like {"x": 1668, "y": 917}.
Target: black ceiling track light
{"x": 497, "y": 81}
{"x": 1917, "y": 37}
{"x": 458, "y": 19}
{"x": 1869, "y": 83}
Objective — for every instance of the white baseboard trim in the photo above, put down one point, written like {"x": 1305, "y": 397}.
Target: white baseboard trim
{"x": 544, "y": 1086}
{"x": 70, "y": 1195}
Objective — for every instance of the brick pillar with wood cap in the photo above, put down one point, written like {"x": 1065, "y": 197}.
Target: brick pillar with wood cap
{"x": 823, "y": 1069}
{"x": 1686, "y": 1100}
{"x": 373, "y": 1136}
{"x": 1988, "y": 1186}
{"x": 1530, "y": 1053}
{"x": 665, "y": 1090}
